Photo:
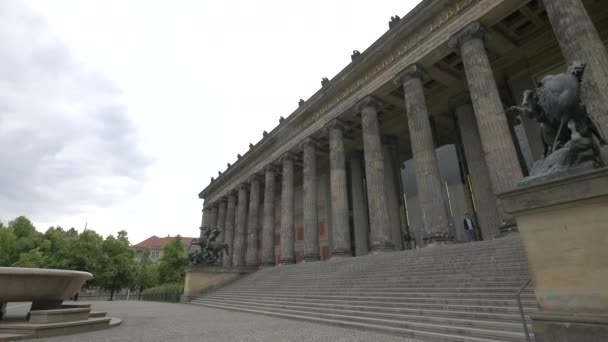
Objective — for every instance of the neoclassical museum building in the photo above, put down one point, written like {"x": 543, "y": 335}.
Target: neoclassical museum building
{"x": 412, "y": 134}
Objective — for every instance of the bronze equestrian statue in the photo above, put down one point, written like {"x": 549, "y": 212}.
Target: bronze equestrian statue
{"x": 210, "y": 250}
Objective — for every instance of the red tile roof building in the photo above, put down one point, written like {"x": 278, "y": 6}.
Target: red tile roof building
{"x": 156, "y": 244}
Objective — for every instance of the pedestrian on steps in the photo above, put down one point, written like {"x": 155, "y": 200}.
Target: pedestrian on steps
{"x": 469, "y": 227}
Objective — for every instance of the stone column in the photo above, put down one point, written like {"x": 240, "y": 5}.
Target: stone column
{"x": 579, "y": 40}
{"x": 496, "y": 140}
{"x": 311, "y": 220}
{"x": 238, "y": 256}
{"x": 229, "y": 228}
{"x": 381, "y": 233}
{"x": 287, "y": 231}
{"x": 204, "y": 219}
{"x": 360, "y": 218}
{"x": 253, "y": 222}
{"x": 340, "y": 229}
{"x": 428, "y": 181}
{"x": 213, "y": 216}
{"x": 488, "y": 215}
{"x": 269, "y": 212}
{"x": 392, "y": 190}
{"x": 221, "y": 218}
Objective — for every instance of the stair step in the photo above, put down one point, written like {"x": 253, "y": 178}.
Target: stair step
{"x": 459, "y": 335}
{"x": 462, "y": 292}
{"x": 468, "y": 322}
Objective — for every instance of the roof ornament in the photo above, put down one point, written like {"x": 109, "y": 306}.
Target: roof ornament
{"x": 355, "y": 56}
{"x": 324, "y": 82}
{"x": 394, "y": 21}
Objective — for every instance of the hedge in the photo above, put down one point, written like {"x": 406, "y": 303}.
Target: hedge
{"x": 164, "y": 293}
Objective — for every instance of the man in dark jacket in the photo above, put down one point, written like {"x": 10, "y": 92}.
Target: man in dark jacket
{"x": 469, "y": 227}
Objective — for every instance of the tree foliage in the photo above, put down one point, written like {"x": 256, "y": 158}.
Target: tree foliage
{"x": 172, "y": 265}
{"x": 111, "y": 261}
{"x": 119, "y": 266}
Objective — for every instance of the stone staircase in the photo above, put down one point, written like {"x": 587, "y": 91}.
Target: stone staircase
{"x": 462, "y": 292}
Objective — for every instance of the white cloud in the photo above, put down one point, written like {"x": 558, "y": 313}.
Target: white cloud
{"x": 67, "y": 143}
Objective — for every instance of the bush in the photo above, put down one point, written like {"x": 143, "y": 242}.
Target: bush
{"x": 164, "y": 293}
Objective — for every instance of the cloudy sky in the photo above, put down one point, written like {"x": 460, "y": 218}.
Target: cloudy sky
{"x": 116, "y": 113}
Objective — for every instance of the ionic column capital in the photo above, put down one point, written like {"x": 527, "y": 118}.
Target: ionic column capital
{"x": 412, "y": 71}
{"x": 472, "y": 31}
{"x": 222, "y": 199}
{"x": 459, "y": 101}
{"x": 370, "y": 102}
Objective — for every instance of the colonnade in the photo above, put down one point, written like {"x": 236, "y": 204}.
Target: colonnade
{"x": 487, "y": 144}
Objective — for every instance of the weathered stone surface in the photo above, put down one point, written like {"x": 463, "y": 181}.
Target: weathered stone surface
{"x": 488, "y": 216}
{"x": 253, "y": 222}
{"x": 381, "y": 234}
{"x": 392, "y": 190}
{"x": 360, "y": 216}
{"x": 428, "y": 181}
{"x": 499, "y": 151}
{"x": 229, "y": 228}
{"x": 269, "y": 217}
{"x": 341, "y": 244}
{"x": 567, "y": 327}
{"x": 497, "y": 144}
{"x": 287, "y": 228}
{"x": 563, "y": 227}
{"x": 200, "y": 279}
{"x": 240, "y": 231}
{"x": 579, "y": 40}
{"x": 311, "y": 221}
{"x": 221, "y": 218}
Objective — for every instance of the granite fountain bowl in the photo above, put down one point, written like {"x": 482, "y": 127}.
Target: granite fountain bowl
{"x": 37, "y": 284}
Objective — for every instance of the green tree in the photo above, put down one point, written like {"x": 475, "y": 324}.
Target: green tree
{"x": 118, "y": 269}
{"x": 147, "y": 274}
{"x": 27, "y": 236}
{"x": 33, "y": 258}
{"x": 172, "y": 265}
{"x": 82, "y": 253}
{"x": 8, "y": 242}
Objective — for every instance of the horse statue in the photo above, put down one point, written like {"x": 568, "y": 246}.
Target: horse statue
{"x": 570, "y": 135}
{"x": 210, "y": 252}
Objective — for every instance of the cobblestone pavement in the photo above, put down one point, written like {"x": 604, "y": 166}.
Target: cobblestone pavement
{"x": 149, "y": 321}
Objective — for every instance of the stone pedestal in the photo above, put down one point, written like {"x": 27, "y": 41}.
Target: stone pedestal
{"x": 564, "y": 227}
{"x": 200, "y": 279}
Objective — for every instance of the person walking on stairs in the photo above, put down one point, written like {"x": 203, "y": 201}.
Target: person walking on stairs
{"x": 469, "y": 227}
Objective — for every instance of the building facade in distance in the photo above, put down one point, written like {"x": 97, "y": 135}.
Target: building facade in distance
{"x": 156, "y": 244}
{"x": 410, "y": 135}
